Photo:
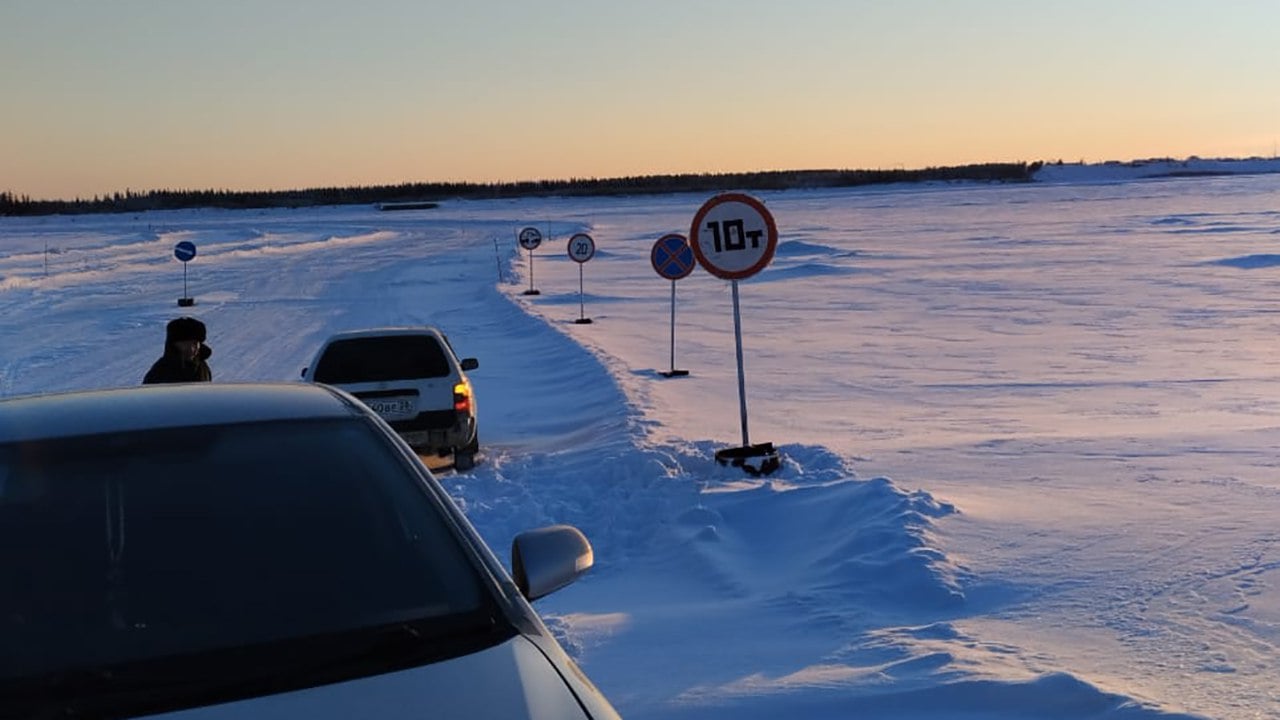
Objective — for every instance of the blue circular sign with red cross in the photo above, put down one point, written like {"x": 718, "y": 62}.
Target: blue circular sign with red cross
{"x": 672, "y": 256}
{"x": 184, "y": 250}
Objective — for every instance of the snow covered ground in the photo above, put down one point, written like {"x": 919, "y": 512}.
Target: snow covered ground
{"x": 1028, "y": 431}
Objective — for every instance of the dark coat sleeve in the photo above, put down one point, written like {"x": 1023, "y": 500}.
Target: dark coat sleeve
{"x": 206, "y": 374}
{"x": 156, "y": 374}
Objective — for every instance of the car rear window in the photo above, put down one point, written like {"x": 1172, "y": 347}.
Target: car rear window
{"x": 374, "y": 359}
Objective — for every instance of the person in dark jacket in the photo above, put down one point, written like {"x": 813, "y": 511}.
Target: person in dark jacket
{"x": 185, "y": 354}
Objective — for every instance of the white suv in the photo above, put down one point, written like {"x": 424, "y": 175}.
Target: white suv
{"x": 411, "y": 377}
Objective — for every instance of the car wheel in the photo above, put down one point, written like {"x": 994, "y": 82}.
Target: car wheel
{"x": 465, "y": 458}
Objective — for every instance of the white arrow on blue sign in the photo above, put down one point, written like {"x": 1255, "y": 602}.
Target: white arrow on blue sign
{"x": 185, "y": 250}
{"x": 530, "y": 238}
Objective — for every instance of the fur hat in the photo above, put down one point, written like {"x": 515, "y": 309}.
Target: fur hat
{"x": 184, "y": 328}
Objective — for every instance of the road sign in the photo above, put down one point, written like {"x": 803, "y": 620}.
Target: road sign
{"x": 185, "y": 250}
{"x": 581, "y": 248}
{"x": 530, "y": 238}
{"x": 733, "y": 236}
{"x": 672, "y": 257}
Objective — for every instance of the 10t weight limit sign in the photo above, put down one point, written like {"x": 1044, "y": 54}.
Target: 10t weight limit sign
{"x": 733, "y": 236}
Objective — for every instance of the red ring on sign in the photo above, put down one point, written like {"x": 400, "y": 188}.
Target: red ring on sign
{"x": 771, "y": 243}
{"x": 591, "y": 243}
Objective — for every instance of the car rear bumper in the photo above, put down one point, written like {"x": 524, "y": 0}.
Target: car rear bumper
{"x": 423, "y": 437}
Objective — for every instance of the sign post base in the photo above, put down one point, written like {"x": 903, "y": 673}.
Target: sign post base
{"x": 757, "y": 459}
{"x": 582, "y": 321}
{"x": 674, "y": 373}
{"x": 186, "y": 302}
{"x": 531, "y": 291}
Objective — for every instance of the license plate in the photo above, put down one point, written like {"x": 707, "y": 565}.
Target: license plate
{"x": 392, "y": 408}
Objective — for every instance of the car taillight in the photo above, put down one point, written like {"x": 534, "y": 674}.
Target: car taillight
{"x": 462, "y": 397}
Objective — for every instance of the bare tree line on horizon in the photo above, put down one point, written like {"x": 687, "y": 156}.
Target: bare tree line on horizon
{"x": 130, "y": 201}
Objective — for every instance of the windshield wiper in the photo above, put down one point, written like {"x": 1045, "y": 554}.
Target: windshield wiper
{"x": 218, "y": 676}
{"x": 409, "y": 642}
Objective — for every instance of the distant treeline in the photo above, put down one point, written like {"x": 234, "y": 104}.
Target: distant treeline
{"x": 130, "y": 201}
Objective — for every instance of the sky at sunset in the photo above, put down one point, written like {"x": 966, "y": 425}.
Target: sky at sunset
{"x": 264, "y": 94}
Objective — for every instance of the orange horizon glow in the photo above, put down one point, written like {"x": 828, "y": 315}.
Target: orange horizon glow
{"x": 242, "y": 97}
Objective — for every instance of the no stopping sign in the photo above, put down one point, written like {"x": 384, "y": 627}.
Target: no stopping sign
{"x": 672, "y": 257}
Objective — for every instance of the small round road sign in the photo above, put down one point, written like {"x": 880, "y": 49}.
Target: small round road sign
{"x": 530, "y": 238}
{"x": 733, "y": 236}
{"x": 672, "y": 257}
{"x": 581, "y": 248}
{"x": 184, "y": 250}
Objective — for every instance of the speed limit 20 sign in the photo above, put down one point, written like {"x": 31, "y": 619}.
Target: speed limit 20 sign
{"x": 733, "y": 236}
{"x": 581, "y": 248}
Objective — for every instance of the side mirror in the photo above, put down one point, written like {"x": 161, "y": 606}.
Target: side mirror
{"x": 469, "y": 363}
{"x": 304, "y": 372}
{"x": 549, "y": 558}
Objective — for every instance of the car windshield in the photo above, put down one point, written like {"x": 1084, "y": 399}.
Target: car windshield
{"x": 374, "y": 359}
{"x": 125, "y": 548}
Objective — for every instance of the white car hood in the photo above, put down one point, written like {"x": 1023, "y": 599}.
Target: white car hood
{"x": 509, "y": 681}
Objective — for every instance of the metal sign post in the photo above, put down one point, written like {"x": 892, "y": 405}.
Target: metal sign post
{"x": 581, "y": 249}
{"x": 672, "y": 371}
{"x": 742, "y": 376}
{"x": 673, "y": 259}
{"x": 733, "y": 236}
{"x": 185, "y": 251}
{"x": 497, "y": 258}
{"x": 530, "y": 238}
